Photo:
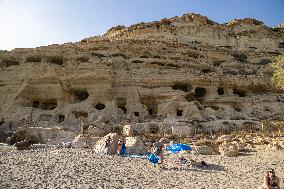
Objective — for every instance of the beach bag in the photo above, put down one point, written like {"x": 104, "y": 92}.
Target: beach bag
{"x": 153, "y": 158}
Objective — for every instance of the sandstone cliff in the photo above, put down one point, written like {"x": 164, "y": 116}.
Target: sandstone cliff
{"x": 186, "y": 68}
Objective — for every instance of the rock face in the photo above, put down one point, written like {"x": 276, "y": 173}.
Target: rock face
{"x": 229, "y": 149}
{"x": 204, "y": 150}
{"x": 111, "y": 148}
{"x": 79, "y": 141}
{"x": 134, "y": 145}
{"x": 128, "y": 130}
{"x": 206, "y": 76}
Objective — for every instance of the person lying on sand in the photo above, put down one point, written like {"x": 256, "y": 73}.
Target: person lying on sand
{"x": 270, "y": 181}
{"x": 180, "y": 161}
{"x": 201, "y": 164}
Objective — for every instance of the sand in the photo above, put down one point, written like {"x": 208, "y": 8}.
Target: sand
{"x": 82, "y": 168}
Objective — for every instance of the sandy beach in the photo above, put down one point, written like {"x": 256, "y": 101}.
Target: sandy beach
{"x": 82, "y": 168}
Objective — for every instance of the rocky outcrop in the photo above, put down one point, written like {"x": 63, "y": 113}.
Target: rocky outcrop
{"x": 134, "y": 145}
{"x": 204, "y": 150}
{"x": 205, "y": 76}
{"x": 229, "y": 149}
{"x": 107, "y": 144}
{"x": 128, "y": 130}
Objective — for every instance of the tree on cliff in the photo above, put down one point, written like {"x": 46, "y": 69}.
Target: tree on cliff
{"x": 278, "y": 75}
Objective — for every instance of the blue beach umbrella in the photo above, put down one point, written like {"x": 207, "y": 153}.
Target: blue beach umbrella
{"x": 175, "y": 148}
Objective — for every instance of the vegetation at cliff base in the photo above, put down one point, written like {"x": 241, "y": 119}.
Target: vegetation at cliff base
{"x": 278, "y": 75}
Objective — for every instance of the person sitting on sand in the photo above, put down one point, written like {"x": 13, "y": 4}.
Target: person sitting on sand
{"x": 159, "y": 152}
{"x": 181, "y": 160}
{"x": 271, "y": 181}
{"x": 119, "y": 147}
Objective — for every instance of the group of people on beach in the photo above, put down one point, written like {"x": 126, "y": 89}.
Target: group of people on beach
{"x": 120, "y": 148}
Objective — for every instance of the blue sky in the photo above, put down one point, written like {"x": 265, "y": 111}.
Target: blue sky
{"x": 31, "y": 23}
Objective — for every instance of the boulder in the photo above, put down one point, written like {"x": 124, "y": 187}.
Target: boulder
{"x": 225, "y": 138}
{"x": 128, "y": 130}
{"x": 91, "y": 141}
{"x": 241, "y": 147}
{"x": 244, "y": 140}
{"x": 275, "y": 146}
{"x": 79, "y": 141}
{"x": 259, "y": 140}
{"x": 204, "y": 150}
{"x": 229, "y": 149}
{"x": 134, "y": 145}
{"x": 107, "y": 144}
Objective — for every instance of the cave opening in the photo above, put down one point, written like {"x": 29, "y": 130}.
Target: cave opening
{"x": 61, "y": 118}
{"x": 150, "y": 111}
{"x": 35, "y": 104}
{"x": 200, "y": 92}
{"x": 220, "y": 91}
{"x": 121, "y": 104}
{"x": 181, "y": 86}
{"x": 136, "y": 114}
{"x": 151, "y": 104}
{"x": 100, "y": 106}
{"x": 81, "y": 95}
{"x": 49, "y": 105}
{"x": 206, "y": 70}
{"x": 239, "y": 92}
{"x": 179, "y": 113}
{"x": 123, "y": 108}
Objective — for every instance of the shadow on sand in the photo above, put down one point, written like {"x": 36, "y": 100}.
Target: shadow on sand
{"x": 210, "y": 168}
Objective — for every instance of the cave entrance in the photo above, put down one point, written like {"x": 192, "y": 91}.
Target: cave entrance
{"x": 100, "y": 106}
{"x": 35, "y": 104}
{"x": 49, "y": 105}
{"x": 61, "y": 118}
{"x": 239, "y": 92}
{"x": 80, "y": 95}
{"x": 124, "y": 109}
{"x": 181, "y": 86}
{"x": 200, "y": 92}
{"x": 151, "y": 104}
{"x": 220, "y": 90}
{"x": 136, "y": 114}
{"x": 150, "y": 111}
{"x": 179, "y": 113}
{"x": 121, "y": 104}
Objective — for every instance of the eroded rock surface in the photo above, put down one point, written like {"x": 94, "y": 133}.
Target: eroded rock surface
{"x": 200, "y": 74}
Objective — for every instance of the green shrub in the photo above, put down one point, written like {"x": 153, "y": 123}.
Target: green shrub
{"x": 33, "y": 59}
{"x": 59, "y": 60}
{"x": 82, "y": 59}
{"x": 10, "y": 62}
{"x": 265, "y": 61}
{"x": 241, "y": 57}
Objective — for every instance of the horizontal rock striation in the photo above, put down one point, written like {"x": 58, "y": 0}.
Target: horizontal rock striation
{"x": 189, "y": 69}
